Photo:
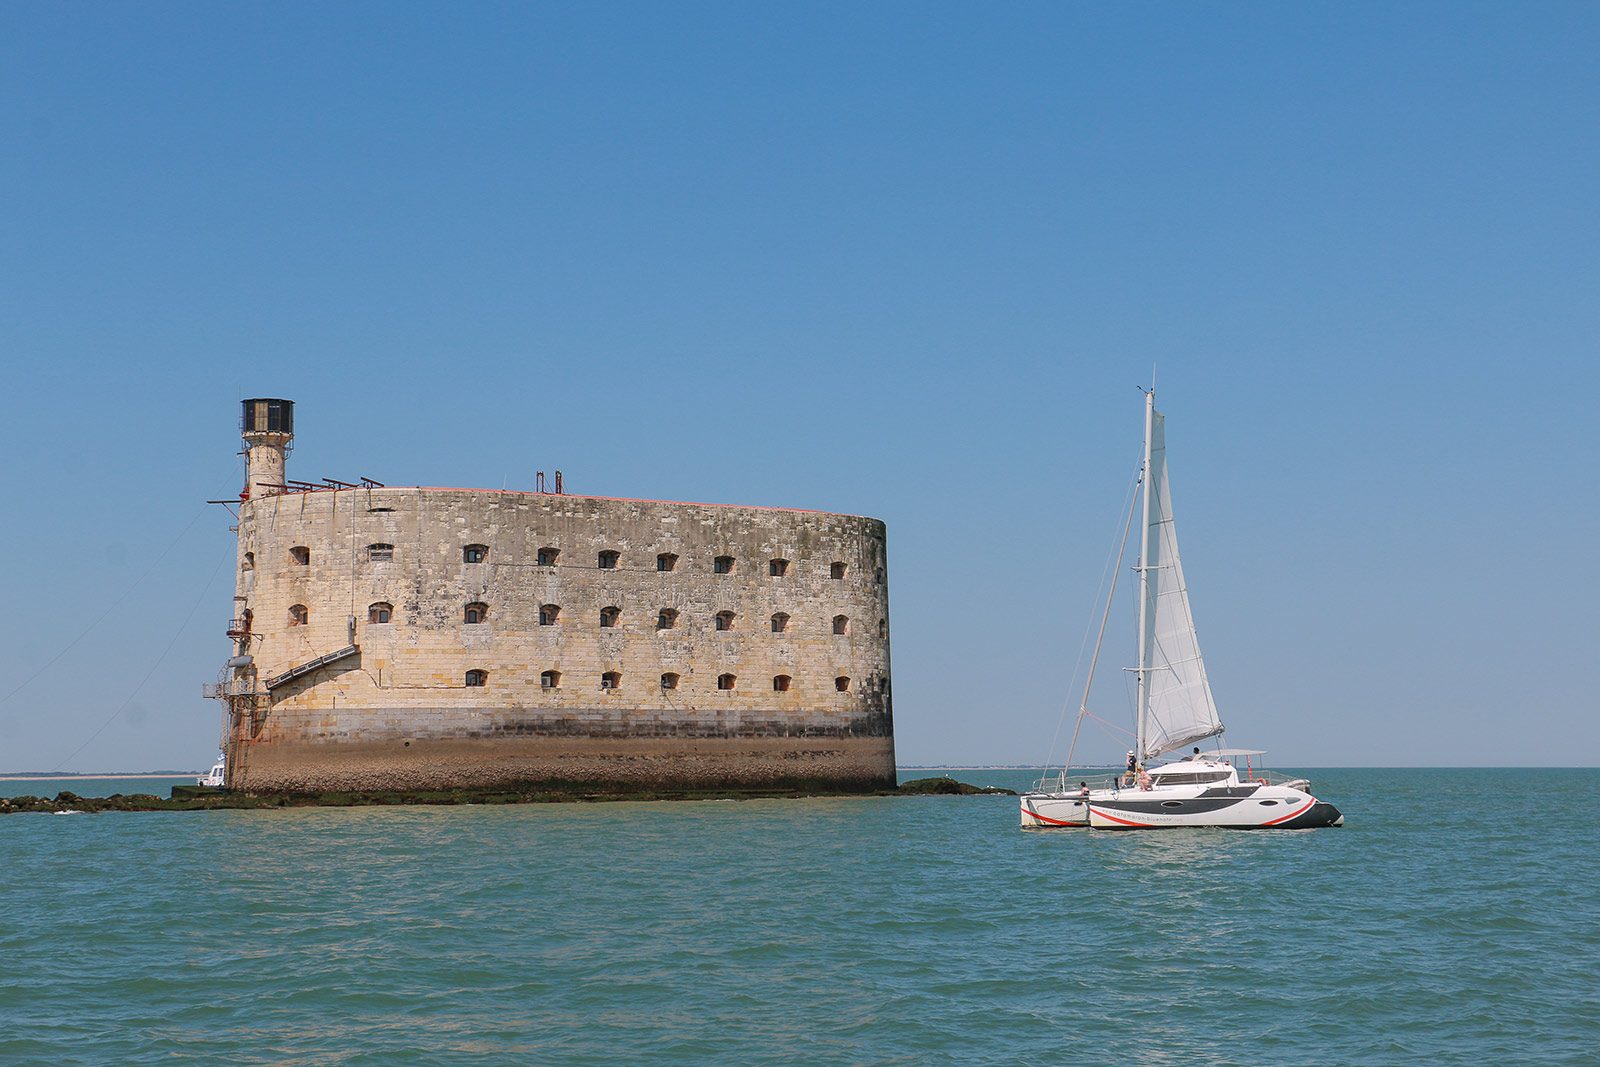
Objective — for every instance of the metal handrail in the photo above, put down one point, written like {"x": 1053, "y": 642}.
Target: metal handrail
{"x": 1272, "y": 777}
{"x": 236, "y": 687}
{"x": 1067, "y": 784}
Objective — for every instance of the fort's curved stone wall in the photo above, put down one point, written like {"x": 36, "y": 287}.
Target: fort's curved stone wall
{"x": 400, "y": 713}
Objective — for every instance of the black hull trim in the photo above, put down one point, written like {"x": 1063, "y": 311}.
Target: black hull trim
{"x": 1321, "y": 814}
{"x": 1317, "y": 814}
{"x": 1192, "y": 806}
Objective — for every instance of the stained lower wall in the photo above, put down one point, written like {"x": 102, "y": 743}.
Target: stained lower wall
{"x": 576, "y": 764}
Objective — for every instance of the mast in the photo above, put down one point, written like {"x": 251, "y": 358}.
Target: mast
{"x": 1143, "y": 705}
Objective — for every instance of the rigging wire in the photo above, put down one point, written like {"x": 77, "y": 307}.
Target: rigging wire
{"x": 1122, "y": 550}
{"x": 154, "y": 666}
{"x": 70, "y": 645}
{"x": 1109, "y": 725}
{"x": 1108, "y": 571}
{"x": 125, "y": 594}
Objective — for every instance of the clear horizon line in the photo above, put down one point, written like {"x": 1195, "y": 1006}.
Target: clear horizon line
{"x": 28, "y": 775}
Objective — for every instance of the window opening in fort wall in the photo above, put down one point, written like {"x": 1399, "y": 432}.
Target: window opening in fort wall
{"x": 390, "y": 637}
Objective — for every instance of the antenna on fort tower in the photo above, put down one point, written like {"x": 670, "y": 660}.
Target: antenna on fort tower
{"x": 538, "y": 482}
{"x": 559, "y": 489}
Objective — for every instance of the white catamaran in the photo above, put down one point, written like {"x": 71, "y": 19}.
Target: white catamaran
{"x": 1175, "y": 709}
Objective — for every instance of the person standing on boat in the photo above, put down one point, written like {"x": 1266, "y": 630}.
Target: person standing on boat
{"x": 1133, "y": 767}
{"x": 1083, "y": 789}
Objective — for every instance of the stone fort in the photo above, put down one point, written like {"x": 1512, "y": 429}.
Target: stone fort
{"x": 394, "y": 639}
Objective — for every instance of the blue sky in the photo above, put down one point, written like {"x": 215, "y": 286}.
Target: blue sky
{"x": 907, "y": 260}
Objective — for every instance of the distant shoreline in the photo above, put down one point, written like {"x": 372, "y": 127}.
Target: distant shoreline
{"x": 83, "y": 777}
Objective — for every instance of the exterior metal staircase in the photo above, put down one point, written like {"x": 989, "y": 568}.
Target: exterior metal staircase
{"x": 310, "y": 665}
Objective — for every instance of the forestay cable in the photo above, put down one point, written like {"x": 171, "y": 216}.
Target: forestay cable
{"x": 1107, "y": 571}
{"x": 1122, "y": 548}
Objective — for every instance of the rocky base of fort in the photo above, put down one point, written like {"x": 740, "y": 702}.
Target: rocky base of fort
{"x": 192, "y": 798}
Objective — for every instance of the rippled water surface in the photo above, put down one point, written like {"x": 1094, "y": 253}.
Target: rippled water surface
{"x": 1455, "y": 918}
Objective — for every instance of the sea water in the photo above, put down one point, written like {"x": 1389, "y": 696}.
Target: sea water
{"x": 86, "y": 786}
{"x": 1454, "y": 918}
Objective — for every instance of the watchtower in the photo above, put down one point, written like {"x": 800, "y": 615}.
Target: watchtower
{"x": 268, "y": 430}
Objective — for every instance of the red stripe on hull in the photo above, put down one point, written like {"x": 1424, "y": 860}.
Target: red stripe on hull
{"x": 1291, "y": 815}
{"x": 1052, "y": 822}
{"x": 1126, "y": 822}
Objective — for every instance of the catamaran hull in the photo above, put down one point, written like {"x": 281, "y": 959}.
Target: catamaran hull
{"x": 1243, "y": 813}
{"x": 1042, "y": 811}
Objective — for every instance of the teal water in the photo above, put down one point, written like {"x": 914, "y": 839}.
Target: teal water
{"x": 1456, "y": 918}
{"x": 93, "y": 787}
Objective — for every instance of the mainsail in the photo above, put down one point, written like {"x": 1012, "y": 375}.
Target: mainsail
{"x": 1179, "y": 708}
